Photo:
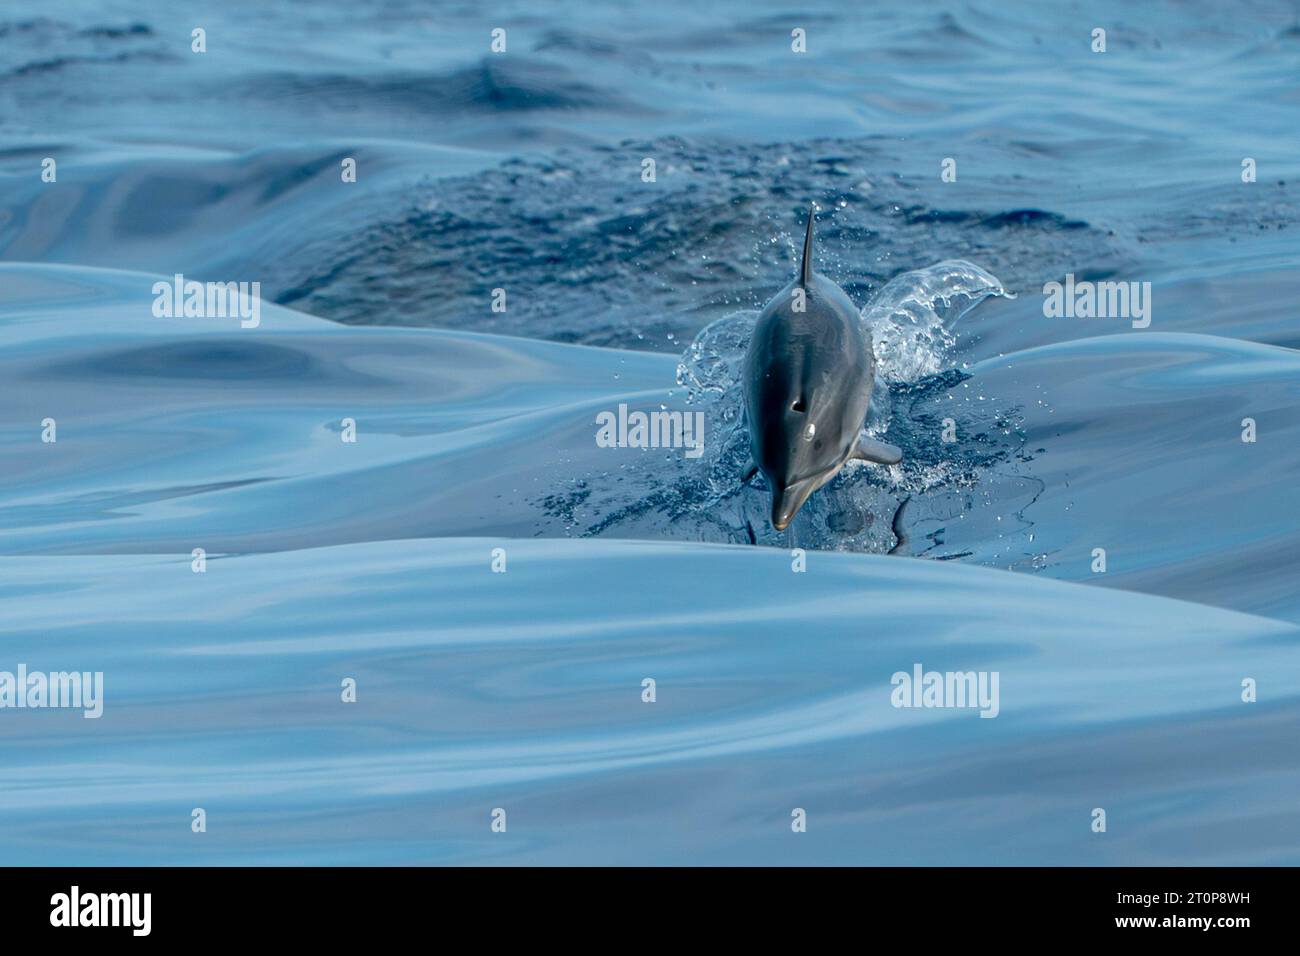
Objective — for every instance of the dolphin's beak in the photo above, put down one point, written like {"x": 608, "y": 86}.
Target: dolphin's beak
{"x": 787, "y": 501}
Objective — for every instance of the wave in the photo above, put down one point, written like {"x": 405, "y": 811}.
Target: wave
{"x": 231, "y": 437}
{"x": 773, "y": 691}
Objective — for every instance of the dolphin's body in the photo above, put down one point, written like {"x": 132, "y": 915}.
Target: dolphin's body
{"x": 808, "y": 377}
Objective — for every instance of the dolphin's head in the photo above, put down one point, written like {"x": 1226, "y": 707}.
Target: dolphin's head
{"x": 798, "y": 440}
{"x": 787, "y": 501}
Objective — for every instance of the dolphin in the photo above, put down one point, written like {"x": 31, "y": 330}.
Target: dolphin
{"x": 808, "y": 376}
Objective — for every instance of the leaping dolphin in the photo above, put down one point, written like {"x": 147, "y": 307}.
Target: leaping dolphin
{"x": 808, "y": 377}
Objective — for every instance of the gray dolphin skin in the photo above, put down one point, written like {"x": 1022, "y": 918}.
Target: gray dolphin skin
{"x": 808, "y": 377}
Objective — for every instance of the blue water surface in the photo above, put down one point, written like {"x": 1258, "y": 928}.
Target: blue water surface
{"x": 373, "y": 561}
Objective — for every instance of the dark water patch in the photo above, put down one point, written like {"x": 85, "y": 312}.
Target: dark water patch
{"x": 117, "y": 33}
{"x": 1031, "y": 217}
{"x": 224, "y": 360}
{"x": 492, "y": 85}
{"x": 849, "y": 521}
{"x": 587, "y": 252}
{"x": 44, "y": 46}
{"x": 40, "y": 25}
{"x": 59, "y": 63}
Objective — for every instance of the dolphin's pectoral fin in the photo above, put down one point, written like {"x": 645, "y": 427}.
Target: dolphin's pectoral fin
{"x": 880, "y": 452}
{"x": 750, "y": 471}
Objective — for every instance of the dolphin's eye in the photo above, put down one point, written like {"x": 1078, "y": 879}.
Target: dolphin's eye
{"x": 798, "y": 405}
{"x": 809, "y": 432}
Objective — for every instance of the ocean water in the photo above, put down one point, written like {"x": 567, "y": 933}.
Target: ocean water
{"x": 330, "y": 561}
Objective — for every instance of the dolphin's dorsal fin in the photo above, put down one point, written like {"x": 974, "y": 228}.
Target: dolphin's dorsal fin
{"x": 806, "y": 270}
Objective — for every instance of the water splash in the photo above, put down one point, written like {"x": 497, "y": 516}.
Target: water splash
{"x": 913, "y": 320}
{"x": 914, "y": 317}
